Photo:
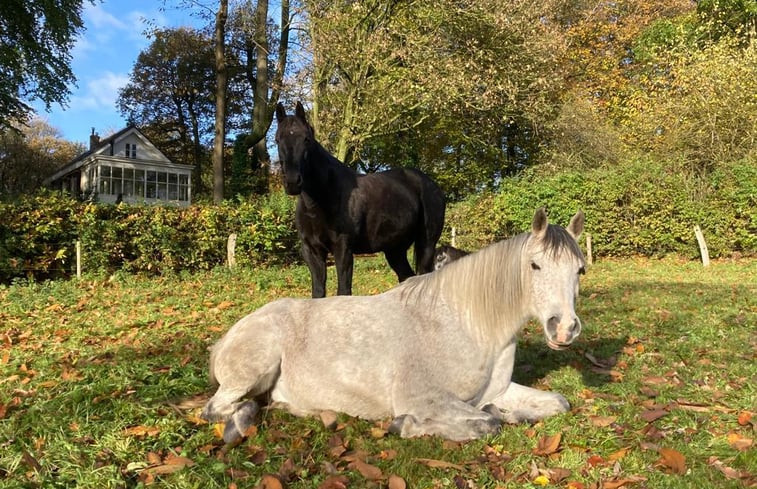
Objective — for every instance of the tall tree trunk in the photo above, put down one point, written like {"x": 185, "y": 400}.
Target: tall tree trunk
{"x": 263, "y": 83}
{"x": 222, "y": 77}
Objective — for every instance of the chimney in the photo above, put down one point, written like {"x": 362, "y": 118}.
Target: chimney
{"x": 94, "y": 140}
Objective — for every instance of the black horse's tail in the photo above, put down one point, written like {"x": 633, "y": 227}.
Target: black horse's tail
{"x": 433, "y": 204}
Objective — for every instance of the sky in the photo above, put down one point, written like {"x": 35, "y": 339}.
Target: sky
{"x": 102, "y": 59}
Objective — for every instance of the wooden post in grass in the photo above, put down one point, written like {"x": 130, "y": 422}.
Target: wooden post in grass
{"x": 78, "y": 259}
{"x": 589, "y": 258}
{"x": 702, "y": 246}
{"x": 231, "y": 245}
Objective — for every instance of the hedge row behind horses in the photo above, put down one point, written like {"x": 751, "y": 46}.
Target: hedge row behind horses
{"x": 343, "y": 212}
{"x": 435, "y": 353}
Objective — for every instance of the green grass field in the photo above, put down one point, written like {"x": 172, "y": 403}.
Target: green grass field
{"x": 101, "y": 382}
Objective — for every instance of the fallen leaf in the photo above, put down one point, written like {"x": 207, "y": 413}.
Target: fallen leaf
{"x": 651, "y": 415}
{"x": 329, "y": 419}
{"x": 370, "y": 472}
{"x": 673, "y": 459}
{"x": 616, "y": 483}
{"x": 575, "y": 485}
{"x": 438, "y": 464}
{"x": 270, "y": 481}
{"x": 218, "y": 430}
{"x": 595, "y": 460}
{"x": 154, "y": 459}
{"x": 541, "y": 480}
{"x": 142, "y": 431}
{"x": 744, "y": 418}
{"x": 618, "y": 455}
{"x": 602, "y": 421}
{"x": 739, "y": 442}
{"x": 170, "y": 465}
{"x": 558, "y": 474}
{"x": 728, "y": 472}
{"x": 334, "y": 482}
{"x": 396, "y": 482}
{"x": 377, "y": 432}
{"x": 548, "y": 444}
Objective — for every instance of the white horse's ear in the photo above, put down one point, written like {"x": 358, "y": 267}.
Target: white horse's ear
{"x": 576, "y": 226}
{"x": 539, "y": 224}
{"x": 281, "y": 112}
{"x": 299, "y": 111}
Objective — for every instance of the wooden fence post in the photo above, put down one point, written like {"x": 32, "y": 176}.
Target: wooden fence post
{"x": 78, "y": 259}
{"x": 589, "y": 258}
{"x": 702, "y": 246}
{"x": 231, "y": 245}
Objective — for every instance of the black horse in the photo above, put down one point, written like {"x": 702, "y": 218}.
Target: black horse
{"x": 343, "y": 212}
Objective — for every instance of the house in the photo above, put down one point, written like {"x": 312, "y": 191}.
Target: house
{"x": 125, "y": 167}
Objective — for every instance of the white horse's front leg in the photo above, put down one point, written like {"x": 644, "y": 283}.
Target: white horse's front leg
{"x": 520, "y": 403}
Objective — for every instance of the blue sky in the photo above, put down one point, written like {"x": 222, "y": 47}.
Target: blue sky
{"x": 102, "y": 60}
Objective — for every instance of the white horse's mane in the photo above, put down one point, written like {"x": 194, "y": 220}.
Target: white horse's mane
{"x": 487, "y": 288}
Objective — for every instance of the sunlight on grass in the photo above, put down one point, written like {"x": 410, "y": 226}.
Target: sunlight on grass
{"x": 101, "y": 383}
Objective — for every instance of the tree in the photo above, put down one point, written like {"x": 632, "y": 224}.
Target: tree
{"x": 35, "y": 61}
{"x": 263, "y": 58}
{"x": 463, "y": 84}
{"x": 222, "y": 78}
{"x": 169, "y": 95}
{"x": 29, "y": 153}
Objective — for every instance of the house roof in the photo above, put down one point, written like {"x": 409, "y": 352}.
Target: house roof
{"x": 102, "y": 144}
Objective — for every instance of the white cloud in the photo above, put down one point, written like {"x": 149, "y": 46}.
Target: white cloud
{"x": 100, "y": 93}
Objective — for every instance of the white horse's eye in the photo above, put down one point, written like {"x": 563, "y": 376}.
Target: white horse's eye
{"x": 534, "y": 266}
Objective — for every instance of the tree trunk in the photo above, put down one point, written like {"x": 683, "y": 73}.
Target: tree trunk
{"x": 222, "y": 77}
{"x": 263, "y": 108}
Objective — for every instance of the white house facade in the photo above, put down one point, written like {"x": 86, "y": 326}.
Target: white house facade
{"x": 125, "y": 167}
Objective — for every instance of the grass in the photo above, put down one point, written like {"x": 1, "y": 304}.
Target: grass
{"x": 101, "y": 382}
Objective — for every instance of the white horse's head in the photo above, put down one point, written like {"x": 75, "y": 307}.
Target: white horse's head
{"x": 553, "y": 266}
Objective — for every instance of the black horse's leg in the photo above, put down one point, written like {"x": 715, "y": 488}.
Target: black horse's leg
{"x": 397, "y": 258}
{"x": 425, "y": 257}
{"x": 316, "y": 261}
{"x": 344, "y": 261}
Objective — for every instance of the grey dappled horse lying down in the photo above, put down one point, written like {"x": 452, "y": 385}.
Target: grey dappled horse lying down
{"x": 435, "y": 352}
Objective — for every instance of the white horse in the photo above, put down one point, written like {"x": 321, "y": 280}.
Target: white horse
{"x": 435, "y": 353}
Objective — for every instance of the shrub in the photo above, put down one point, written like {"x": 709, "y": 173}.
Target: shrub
{"x": 37, "y": 235}
{"x": 644, "y": 208}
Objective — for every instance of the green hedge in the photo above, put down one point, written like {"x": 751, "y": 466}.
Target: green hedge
{"x": 642, "y": 208}
{"x": 38, "y": 236}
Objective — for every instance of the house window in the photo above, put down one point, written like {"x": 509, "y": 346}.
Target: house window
{"x": 131, "y": 151}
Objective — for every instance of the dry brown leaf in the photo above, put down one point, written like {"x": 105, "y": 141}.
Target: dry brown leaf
{"x": 728, "y": 472}
{"x": 142, "y": 431}
{"x": 154, "y": 459}
{"x": 558, "y": 474}
{"x": 602, "y": 421}
{"x": 548, "y": 444}
{"x": 334, "y": 482}
{"x": 171, "y": 464}
{"x": 673, "y": 459}
{"x": 575, "y": 485}
{"x": 616, "y": 483}
{"x": 744, "y": 418}
{"x": 438, "y": 464}
{"x": 396, "y": 482}
{"x": 618, "y": 455}
{"x": 651, "y": 415}
{"x": 739, "y": 442}
{"x": 370, "y": 472}
{"x": 270, "y": 481}
{"x": 329, "y": 419}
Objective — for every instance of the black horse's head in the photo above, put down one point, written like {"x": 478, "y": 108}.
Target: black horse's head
{"x": 296, "y": 142}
